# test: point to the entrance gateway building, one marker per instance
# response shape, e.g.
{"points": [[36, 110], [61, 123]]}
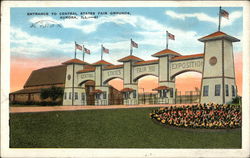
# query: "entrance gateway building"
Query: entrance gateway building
{"points": [[216, 64]]}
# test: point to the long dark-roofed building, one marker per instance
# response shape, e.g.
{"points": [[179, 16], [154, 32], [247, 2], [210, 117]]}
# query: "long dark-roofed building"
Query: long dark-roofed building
{"points": [[38, 79]]}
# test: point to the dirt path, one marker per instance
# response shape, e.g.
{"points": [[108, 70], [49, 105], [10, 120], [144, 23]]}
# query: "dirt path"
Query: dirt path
{"points": [[73, 108]]}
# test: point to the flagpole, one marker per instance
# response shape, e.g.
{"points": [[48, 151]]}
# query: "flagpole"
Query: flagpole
{"points": [[83, 52], [219, 18], [131, 48], [75, 49], [167, 40], [101, 52]]}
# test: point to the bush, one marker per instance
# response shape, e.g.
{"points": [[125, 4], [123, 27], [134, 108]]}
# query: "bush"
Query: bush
{"points": [[237, 100], [53, 93]]}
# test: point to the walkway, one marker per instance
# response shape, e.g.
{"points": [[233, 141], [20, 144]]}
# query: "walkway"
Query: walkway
{"points": [[73, 108]]}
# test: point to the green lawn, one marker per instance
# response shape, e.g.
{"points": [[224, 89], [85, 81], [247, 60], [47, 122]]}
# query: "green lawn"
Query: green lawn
{"points": [[117, 128]]}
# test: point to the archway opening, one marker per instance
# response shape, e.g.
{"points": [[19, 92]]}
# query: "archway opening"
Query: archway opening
{"points": [[188, 87], [146, 84], [117, 83], [115, 96]]}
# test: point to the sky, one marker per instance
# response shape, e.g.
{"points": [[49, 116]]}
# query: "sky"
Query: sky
{"points": [[45, 40]]}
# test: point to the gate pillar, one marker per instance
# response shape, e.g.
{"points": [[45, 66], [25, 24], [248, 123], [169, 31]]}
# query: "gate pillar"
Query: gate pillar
{"points": [[101, 91], [164, 73], [130, 91]]}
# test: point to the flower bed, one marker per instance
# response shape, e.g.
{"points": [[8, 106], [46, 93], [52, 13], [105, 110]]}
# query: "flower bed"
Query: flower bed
{"points": [[200, 116]]}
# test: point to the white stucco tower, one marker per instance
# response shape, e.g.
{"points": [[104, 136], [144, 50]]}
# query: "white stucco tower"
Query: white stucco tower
{"points": [[72, 90], [218, 77]]}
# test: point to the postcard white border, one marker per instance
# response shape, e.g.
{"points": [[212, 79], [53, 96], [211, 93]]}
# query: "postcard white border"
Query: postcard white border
{"points": [[5, 85]]}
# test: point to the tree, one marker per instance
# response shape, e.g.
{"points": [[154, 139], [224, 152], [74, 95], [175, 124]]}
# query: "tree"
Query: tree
{"points": [[52, 92], [44, 93], [56, 92]]}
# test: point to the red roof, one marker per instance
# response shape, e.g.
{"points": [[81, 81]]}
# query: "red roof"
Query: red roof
{"points": [[127, 90], [129, 58], [102, 62], [160, 88], [147, 62], [97, 91], [86, 70], [113, 66], [188, 57], [75, 61], [166, 52], [218, 35]]}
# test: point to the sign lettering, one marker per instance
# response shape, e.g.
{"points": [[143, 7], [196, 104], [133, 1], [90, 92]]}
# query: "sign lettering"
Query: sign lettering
{"points": [[112, 73], [145, 69], [87, 76], [186, 65]]}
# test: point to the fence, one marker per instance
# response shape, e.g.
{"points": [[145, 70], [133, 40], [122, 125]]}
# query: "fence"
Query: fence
{"points": [[148, 98], [187, 97]]}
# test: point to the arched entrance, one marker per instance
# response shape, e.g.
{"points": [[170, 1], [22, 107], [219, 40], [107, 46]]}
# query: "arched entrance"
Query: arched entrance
{"points": [[187, 86], [87, 97], [146, 84], [115, 84]]}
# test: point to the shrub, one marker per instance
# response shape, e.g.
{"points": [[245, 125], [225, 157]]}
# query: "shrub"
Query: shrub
{"points": [[53, 93], [236, 100]]}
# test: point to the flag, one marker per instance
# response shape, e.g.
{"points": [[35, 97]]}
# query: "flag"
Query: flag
{"points": [[171, 36], [77, 46], [133, 44], [105, 50], [224, 13], [86, 50]]}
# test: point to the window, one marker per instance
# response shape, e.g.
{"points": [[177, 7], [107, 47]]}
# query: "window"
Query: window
{"points": [[164, 93], [217, 90], [171, 92], [65, 95], [126, 95], [76, 96], [233, 91], [104, 95], [69, 95], [97, 95], [134, 94], [205, 90], [83, 96], [227, 91]]}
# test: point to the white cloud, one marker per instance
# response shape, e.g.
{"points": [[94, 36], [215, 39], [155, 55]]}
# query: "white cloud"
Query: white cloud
{"points": [[204, 17], [26, 45], [152, 34]]}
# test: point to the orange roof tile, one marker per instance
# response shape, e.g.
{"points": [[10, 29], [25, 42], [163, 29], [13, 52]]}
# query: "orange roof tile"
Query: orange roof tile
{"points": [[218, 35], [187, 57], [166, 52], [160, 88], [86, 70], [147, 62], [102, 62], [113, 66], [75, 61], [129, 58], [127, 90]]}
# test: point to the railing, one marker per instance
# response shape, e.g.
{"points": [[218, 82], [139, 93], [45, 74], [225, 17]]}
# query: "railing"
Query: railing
{"points": [[188, 97]]}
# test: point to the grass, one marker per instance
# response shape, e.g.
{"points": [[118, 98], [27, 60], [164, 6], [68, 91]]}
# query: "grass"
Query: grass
{"points": [[113, 128]]}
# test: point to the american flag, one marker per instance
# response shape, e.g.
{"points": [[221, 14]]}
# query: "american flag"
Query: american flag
{"points": [[224, 13], [171, 36], [77, 46], [133, 44], [86, 50], [105, 50]]}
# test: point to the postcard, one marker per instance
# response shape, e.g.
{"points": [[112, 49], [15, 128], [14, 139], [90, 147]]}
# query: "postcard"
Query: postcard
{"points": [[125, 79]]}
